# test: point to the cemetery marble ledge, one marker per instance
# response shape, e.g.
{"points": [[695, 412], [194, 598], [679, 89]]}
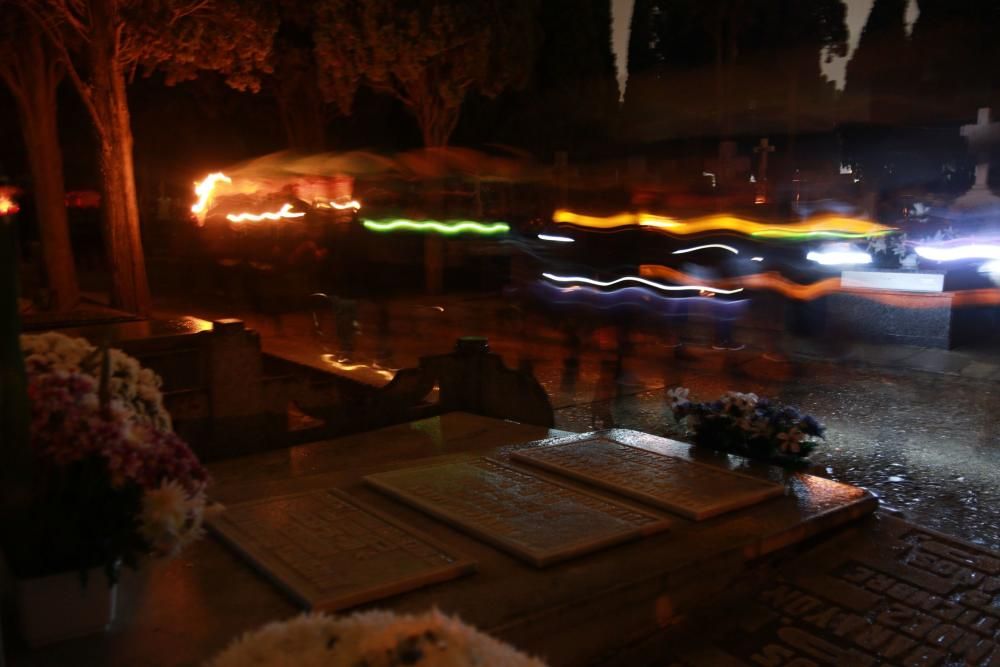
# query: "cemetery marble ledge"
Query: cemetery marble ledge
{"points": [[579, 611]]}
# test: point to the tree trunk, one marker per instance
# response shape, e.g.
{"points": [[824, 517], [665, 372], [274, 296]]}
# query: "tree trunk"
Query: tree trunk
{"points": [[436, 126], [37, 109], [122, 239], [32, 72]]}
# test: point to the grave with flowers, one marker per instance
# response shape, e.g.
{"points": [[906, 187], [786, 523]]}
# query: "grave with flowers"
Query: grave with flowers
{"points": [[747, 425]]}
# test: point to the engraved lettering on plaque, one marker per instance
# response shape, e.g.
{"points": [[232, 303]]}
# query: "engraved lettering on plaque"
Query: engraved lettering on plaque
{"points": [[331, 553], [693, 490], [532, 518]]}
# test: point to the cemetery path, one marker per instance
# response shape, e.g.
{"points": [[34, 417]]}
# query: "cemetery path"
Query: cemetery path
{"points": [[926, 443]]}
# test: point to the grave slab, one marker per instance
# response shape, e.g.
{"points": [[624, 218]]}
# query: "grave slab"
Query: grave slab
{"points": [[885, 593], [580, 612], [330, 553], [535, 519], [883, 316], [688, 488]]}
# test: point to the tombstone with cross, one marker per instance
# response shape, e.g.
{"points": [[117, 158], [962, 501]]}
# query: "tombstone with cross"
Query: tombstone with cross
{"points": [[981, 135], [763, 148]]}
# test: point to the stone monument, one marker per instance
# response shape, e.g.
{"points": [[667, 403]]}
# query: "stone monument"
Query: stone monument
{"points": [[981, 135]]}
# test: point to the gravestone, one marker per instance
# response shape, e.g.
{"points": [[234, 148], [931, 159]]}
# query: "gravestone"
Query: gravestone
{"points": [[331, 553], [883, 306], [693, 490], [981, 135], [537, 520]]}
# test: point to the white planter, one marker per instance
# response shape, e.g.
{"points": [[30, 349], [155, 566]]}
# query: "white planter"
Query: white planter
{"points": [[58, 607]]}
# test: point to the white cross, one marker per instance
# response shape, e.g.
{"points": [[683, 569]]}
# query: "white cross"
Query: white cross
{"points": [[979, 136]]}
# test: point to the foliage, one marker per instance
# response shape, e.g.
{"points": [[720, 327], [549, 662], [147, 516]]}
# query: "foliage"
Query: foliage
{"points": [[112, 481], [427, 53], [431, 639], [179, 37], [746, 425]]}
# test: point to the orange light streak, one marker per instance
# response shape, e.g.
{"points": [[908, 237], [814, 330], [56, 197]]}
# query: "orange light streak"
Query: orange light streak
{"points": [[352, 204], [825, 225], [775, 282], [284, 212], [205, 189]]}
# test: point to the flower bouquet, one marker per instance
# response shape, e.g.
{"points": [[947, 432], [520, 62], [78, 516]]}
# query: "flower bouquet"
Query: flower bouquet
{"points": [[110, 480], [746, 425], [373, 638]]}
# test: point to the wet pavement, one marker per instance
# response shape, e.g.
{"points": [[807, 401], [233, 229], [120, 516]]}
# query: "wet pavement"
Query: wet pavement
{"points": [[925, 443]]}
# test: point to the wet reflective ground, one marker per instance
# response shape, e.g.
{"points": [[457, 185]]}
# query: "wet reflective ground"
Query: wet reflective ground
{"points": [[926, 444]]}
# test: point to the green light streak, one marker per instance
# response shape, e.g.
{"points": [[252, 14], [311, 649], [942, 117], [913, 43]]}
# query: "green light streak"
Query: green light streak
{"points": [[447, 228]]}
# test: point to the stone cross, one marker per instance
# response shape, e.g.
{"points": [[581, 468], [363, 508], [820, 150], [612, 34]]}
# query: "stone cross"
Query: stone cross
{"points": [[980, 136], [764, 148]]}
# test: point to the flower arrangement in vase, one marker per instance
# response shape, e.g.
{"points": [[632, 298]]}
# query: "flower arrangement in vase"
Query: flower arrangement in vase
{"points": [[746, 425], [111, 482]]}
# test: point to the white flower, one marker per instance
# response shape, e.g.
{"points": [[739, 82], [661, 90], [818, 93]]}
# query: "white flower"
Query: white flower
{"points": [[171, 518], [373, 638], [678, 396], [137, 387]]}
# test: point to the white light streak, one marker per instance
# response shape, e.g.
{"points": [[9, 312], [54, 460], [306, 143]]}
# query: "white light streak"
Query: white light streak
{"points": [[839, 257], [705, 247], [992, 266], [953, 253], [643, 281], [557, 239]]}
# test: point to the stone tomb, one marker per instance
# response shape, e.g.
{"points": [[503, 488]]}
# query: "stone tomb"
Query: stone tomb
{"points": [[537, 520], [330, 553], [693, 490], [888, 593]]}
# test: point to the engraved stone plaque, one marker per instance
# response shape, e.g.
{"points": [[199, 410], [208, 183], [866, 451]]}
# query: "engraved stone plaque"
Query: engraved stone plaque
{"points": [[535, 519], [693, 490], [330, 553]]}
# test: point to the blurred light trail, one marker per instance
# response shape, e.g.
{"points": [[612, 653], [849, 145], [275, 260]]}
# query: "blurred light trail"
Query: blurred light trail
{"points": [[7, 205], [350, 368], [643, 281], [756, 259], [284, 212], [613, 221], [957, 252], [352, 204], [771, 280], [204, 189], [993, 266], [778, 283], [557, 239], [706, 247], [839, 257], [629, 297], [448, 227], [822, 226]]}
